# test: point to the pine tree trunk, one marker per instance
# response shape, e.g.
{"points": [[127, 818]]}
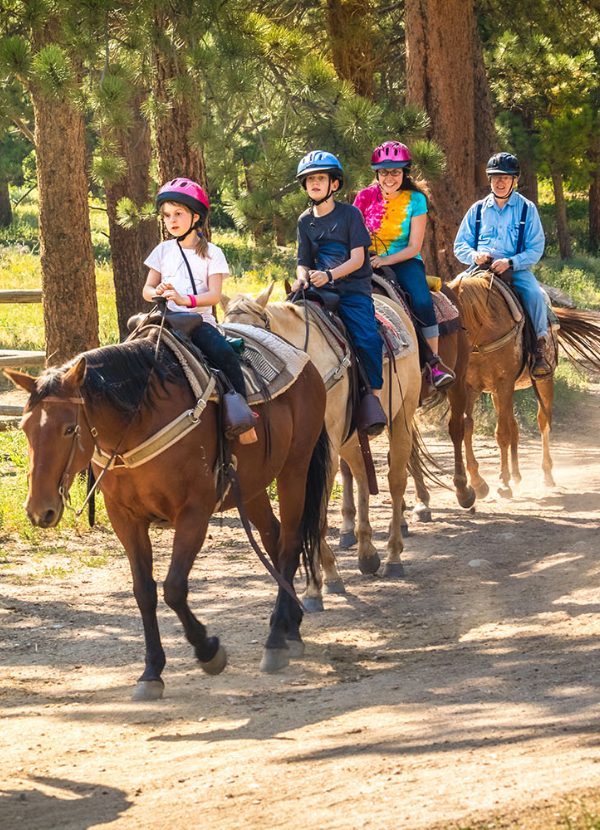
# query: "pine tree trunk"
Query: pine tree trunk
{"points": [[528, 183], [562, 227], [5, 208], [486, 142], [129, 247], [350, 41], [439, 49], [67, 259], [594, 197], [174, 152]]}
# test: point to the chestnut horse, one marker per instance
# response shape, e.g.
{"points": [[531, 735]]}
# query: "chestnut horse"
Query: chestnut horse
{"points": [[289, 320], [497, 365], [115, 398]]}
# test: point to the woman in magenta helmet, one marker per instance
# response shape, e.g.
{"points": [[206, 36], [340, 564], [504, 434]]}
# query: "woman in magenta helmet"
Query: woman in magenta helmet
{"points": [[395, 213], [189, 271]]}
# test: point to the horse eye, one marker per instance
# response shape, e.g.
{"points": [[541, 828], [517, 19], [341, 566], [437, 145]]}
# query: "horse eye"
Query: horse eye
{"points": [[70, 430]]}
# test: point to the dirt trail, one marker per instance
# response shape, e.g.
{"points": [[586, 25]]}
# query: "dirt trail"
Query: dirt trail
{"points": [[468, 689]]}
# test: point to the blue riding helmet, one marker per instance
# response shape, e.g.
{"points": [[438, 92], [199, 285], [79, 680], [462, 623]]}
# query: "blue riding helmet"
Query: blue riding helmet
{"points": [[318, 161], [503, 164]]}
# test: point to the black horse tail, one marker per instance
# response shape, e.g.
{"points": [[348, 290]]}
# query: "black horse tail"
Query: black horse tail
{"points": [[315, 502], [579, 335]]}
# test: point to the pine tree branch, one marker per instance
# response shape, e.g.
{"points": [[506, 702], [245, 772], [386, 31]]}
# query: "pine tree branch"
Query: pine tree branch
{"points": [[24, 129]]}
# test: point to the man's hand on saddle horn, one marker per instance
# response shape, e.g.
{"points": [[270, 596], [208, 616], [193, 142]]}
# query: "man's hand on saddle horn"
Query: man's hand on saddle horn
{"points": [[499, 266]]}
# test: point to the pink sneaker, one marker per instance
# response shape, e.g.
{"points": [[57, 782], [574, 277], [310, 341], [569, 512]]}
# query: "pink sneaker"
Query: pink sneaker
{"points": [[441, 379]]}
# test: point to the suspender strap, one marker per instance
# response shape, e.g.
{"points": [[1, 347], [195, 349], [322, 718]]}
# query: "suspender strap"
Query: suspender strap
{"points": [[521, 238], [477, 223]]}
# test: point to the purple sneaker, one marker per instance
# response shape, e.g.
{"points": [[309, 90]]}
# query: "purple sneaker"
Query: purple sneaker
{"points": [[441, 379]]}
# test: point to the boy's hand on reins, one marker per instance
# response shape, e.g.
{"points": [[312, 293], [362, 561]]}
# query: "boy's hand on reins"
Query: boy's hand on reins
{"points": [[318, 278]]}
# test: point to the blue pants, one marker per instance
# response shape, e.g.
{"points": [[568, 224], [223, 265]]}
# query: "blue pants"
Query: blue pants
{"points": [[358, 315], [411, 278], [529, 288]]}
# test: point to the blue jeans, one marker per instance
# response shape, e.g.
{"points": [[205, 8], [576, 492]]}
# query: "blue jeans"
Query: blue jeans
{"points": [[411, 278], [529, 289], [358, 315]]}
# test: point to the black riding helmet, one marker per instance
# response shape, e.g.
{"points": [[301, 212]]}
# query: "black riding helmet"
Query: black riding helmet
{"points": [[503, 164]]}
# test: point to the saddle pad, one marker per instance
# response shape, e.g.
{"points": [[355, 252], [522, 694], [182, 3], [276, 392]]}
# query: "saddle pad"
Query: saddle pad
{"points": [[516, 306], [277, 362], [446, 313], [398, 335]]}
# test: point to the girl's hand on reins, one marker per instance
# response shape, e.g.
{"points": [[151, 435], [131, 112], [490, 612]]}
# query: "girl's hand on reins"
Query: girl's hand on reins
{"points": [[377, 261]]}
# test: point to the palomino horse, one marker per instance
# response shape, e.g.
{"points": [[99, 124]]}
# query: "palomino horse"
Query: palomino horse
{"points": [[289, 320], [114, 399], [454, 352], [497, 365]]}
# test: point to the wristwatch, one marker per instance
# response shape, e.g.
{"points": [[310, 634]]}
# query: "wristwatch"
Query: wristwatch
{"points": [[511, 264], [329, 276]]}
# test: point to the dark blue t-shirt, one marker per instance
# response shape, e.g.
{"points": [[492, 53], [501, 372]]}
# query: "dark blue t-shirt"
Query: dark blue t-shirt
{"points": [[326, 241]]}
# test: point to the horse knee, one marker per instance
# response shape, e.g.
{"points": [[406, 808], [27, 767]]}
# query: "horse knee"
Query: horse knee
{"points": [[175, 591]]}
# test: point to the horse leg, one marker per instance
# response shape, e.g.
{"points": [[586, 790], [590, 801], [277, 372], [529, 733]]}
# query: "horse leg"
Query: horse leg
{"points": [[457, 398], [368, 558], [421, 511], [330, 581], [545, 388], [477, 482], [190, 530], [401, 445], [502, 397], [284, 640], [134, 538], [347, 532]]}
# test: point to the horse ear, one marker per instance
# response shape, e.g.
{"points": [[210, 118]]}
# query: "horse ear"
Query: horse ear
{"points": [[74, 377], [21, 379], [288, 287], [263, 298], [224, 302]]}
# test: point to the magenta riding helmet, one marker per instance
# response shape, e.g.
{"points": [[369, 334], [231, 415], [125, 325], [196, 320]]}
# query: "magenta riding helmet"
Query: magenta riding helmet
{"points": [[390, 154], [186, 192]]}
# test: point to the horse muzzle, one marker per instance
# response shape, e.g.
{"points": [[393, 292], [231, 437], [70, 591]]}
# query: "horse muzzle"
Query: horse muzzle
{"points": [[46, 514]]}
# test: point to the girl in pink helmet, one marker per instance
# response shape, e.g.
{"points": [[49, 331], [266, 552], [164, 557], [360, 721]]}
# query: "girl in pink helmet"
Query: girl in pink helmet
{"points": [[395, 213], [189, 271]]}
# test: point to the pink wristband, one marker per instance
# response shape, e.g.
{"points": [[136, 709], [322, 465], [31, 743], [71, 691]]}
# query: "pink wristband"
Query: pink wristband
{"points": [[192, 301]]}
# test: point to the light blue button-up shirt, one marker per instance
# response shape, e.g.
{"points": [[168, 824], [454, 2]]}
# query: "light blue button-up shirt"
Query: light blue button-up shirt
{"points": [[499, 232]]}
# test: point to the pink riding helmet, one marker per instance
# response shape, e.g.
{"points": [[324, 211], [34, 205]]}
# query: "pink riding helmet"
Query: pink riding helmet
{"points": [[187, 192], [390, 154]]}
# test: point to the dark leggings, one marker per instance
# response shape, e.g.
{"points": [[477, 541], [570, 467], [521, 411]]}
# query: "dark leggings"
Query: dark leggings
{"points": [[211, 342]]}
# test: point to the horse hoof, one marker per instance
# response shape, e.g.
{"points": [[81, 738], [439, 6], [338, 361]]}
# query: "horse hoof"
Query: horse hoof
{"points": [[217, 664], [335, 587], [347, 540], [404, 531], [275, 659], [369, 565], [422, 514], [505, 492], [468, 500], [482, 490], [313, 604], [148, 690], [296, 648], [393, 570]]}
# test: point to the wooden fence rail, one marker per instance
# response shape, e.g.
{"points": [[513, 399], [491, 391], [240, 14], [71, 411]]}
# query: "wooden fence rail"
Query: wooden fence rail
{"points": [[13, 359]]}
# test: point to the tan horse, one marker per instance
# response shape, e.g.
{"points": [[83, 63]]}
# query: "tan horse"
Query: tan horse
{"points": [[289, 321], [496, 365]]}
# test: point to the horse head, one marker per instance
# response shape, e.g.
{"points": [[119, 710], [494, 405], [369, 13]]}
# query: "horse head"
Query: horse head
{"points": [[244, 308], [58, 446]]}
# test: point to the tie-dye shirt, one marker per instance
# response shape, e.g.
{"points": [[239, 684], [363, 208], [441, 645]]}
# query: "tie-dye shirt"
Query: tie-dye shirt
{"points": [[388, 220]]}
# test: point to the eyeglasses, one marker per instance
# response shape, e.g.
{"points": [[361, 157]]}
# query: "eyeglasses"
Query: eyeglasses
{"points": [[396, 172]]}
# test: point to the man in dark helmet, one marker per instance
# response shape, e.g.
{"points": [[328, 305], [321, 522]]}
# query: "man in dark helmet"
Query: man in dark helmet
{"points": [[504, 229]]}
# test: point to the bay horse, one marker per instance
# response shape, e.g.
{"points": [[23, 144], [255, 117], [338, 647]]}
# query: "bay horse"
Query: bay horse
{"points": [[112, 399], [498, 365], [289, 320]]}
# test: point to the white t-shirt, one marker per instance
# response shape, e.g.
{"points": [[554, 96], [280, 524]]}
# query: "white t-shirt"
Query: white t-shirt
{"points": [[167, 260]]}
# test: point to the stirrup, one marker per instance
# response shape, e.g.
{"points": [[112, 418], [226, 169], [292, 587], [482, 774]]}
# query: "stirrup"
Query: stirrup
{"points": [[541, 368], [370, 417]]}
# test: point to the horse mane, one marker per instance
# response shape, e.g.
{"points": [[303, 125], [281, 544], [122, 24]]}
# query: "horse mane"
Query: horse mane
{"points": [[276, 310], [117, 376], [481, 303]]}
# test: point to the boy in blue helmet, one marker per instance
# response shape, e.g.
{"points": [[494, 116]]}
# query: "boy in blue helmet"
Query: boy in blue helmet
{"points": [[504, 231], [333, 245]]}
